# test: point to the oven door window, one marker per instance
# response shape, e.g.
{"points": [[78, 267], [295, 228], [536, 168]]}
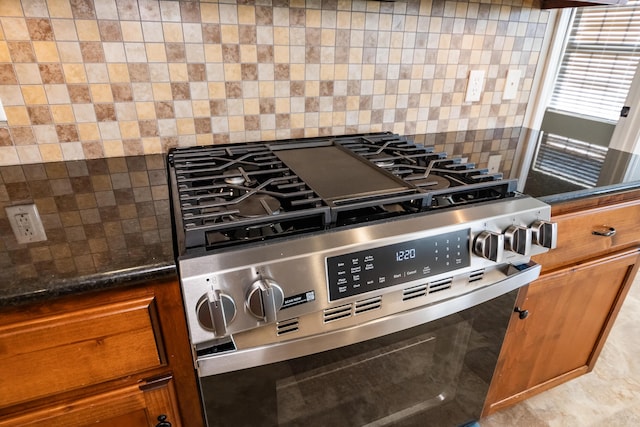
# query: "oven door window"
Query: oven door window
{"points": [[433, 374]]}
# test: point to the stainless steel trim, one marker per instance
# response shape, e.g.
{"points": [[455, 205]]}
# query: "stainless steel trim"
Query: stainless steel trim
{"points": [[262, 355]]}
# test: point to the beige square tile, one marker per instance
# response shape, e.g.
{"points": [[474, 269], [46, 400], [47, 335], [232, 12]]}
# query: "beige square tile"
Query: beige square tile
{"points": [[266, 89], [178, 72], [251, 106], [69, 52], [131, 31], [59, 9], [236, 123], [283, 105], [228, 13], [15, 28], [209, 13], [204, 139], [281, 36], [34, 95], [118, 73], [185, 126], [57, 93], [88, 131], [162, 91], [297, 71], [248, 53], [297, 120], [74, 73], [129, 129], [62, 114], [4, 52], [87, 30], [64, 30], [17, 116], [229, 34], [313, 18], [232, 72], [152, 145], [29, 154], [145, 110], [10, 8], [172, 32], [343, 20], [28, 74], [281, 54], [156, 52], [51, 152], [101, 92], [46, 51], [217, 90], [213, 53], [246, 15], [113, 148], [201, 108]]}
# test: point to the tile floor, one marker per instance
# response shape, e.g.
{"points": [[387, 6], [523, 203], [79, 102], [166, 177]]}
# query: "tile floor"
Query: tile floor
{"points": [[609, 396]]}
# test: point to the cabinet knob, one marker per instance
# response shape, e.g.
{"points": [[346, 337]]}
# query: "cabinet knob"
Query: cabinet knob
{"points": [[163, 421], [522, 314]]}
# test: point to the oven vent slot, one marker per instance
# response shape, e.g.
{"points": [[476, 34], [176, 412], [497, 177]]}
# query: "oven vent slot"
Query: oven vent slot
{"points": [[440, 285], [287, 326], [335, 313], [368, 305], [476, 275], [414, 292]]}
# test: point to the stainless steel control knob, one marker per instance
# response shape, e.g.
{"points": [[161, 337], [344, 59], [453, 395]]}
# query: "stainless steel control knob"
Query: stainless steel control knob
{"points": [[215, 311], [264, 299], [518, 239], [545, 233], [489, 245]]}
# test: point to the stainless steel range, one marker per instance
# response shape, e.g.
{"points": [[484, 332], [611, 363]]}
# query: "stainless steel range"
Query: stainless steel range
{"points": [[357, 280]]}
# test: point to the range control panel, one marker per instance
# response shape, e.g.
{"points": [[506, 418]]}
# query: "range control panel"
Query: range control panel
{"points": [[359, 272]]}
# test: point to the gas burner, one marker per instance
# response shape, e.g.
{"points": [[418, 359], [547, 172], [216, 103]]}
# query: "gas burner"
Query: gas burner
{"points": [[256, 232], [258, 205]]}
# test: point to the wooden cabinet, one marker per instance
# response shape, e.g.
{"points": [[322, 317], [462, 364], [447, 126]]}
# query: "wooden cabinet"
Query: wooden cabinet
{"points": [[573, 304], [117, 357]]}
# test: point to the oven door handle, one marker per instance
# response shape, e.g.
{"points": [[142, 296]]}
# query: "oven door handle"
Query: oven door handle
{"points": [[516, 277]]}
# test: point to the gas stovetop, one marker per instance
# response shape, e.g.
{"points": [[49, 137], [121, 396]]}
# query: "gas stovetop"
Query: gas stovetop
{"points": [[236, 193]]}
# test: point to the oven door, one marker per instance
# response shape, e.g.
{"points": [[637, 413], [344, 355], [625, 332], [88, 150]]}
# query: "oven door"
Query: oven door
{"points": [[434, 374]]}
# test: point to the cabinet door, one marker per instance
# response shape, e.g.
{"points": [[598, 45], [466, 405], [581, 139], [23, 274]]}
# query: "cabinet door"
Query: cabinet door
{"points": [[136, 405], [570, 314]]}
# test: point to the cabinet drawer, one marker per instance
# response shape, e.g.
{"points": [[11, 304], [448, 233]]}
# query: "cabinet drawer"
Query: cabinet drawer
{"points": [[576, 238], [55, 352], [126, 406]]}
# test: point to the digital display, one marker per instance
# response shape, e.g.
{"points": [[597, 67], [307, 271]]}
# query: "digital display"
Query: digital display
{"points": [[359, 272]]}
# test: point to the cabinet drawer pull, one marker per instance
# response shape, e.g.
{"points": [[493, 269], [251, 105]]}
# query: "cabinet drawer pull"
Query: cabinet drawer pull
{"points": [[604, 231], [163, 421], [522, 314]]}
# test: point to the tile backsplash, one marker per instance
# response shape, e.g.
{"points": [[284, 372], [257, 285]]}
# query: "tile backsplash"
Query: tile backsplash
{"points": [[87, 79]]}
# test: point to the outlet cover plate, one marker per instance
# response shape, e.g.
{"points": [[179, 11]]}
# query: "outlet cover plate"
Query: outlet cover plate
{"points": [[26, 223], [474, 86]]}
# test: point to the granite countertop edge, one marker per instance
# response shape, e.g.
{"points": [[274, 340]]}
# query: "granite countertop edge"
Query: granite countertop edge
{"points": [[59, 287]]}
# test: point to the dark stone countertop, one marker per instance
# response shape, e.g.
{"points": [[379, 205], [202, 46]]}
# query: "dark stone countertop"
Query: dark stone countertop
{"points": [[107, 222]]}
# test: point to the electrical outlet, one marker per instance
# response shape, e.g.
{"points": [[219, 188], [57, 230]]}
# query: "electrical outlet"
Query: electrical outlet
{"points": [[494, 163], [474, 86], [26, 224]]}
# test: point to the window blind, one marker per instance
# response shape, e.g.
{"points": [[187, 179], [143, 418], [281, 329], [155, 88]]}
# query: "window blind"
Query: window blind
{"points": [[600, 60], [568, 159]]}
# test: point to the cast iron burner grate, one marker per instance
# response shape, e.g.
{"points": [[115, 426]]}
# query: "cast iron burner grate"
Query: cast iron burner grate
{"points": [[240, 192], [235, 193]]}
